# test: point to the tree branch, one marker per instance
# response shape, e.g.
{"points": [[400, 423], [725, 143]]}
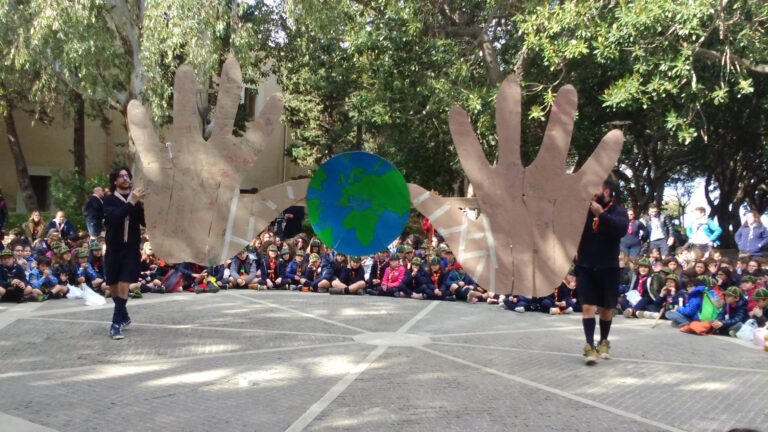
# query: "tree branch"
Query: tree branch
{"points": [[733, 59]]}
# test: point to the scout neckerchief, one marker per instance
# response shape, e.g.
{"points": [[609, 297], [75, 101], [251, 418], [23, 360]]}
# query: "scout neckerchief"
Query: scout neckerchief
{"points": [[271, 269], [435, 277], [391, 274], [596, 219], [127, 218], [241, 268], [378, 269], [641, 283]]}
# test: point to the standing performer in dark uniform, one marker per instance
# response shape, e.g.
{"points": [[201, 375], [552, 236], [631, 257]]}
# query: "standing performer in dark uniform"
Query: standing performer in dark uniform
{"points": [[123, 214], [597, 267]]}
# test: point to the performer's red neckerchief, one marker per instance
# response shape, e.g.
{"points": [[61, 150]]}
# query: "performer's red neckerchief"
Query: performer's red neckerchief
{"points": [[596, 219]]}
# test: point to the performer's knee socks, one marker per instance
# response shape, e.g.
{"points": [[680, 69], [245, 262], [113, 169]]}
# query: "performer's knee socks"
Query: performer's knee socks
{"points": [[605, 328], [589, 330], [117, 314]]}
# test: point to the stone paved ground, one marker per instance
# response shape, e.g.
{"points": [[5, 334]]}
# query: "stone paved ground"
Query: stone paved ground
{"points": [[282, 361]]}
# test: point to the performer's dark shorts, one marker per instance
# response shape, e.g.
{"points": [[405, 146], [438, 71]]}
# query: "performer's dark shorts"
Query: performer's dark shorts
{"points": [[598, 287], [122, 265]]}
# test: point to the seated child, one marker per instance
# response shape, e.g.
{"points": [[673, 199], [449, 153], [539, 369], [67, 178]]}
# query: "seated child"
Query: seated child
{"points": [[351, 280], [563, 298], [733, 313], [415, 281]]}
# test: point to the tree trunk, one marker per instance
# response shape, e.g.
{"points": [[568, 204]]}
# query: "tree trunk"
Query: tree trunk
{"points": [[78, 143], [22, 173]]}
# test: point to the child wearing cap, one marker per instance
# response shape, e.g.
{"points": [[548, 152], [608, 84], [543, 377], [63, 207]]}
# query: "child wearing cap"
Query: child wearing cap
{"points": [[415, 282], [437, 288], [351, 280], [85, 273], [748, 287], [13, 282], [285, 260], [702, 304], [270, 270], [96, 260], [46, 281], [400, 253], [314, 278], [311, 272], [338, 264], [393, 276], [448, 259], [759, 311], [461, 285], [379, 266], [242, 271], [64, 270], [295, 270], [733, 314], [664, 299], [563, 299], [638, 297]]}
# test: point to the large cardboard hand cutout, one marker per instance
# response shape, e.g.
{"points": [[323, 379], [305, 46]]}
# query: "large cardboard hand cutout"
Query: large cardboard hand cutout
{"points": [[531, 218], [192, 184]]}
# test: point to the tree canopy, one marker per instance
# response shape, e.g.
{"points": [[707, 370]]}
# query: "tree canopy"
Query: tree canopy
{"points": [[685, 81]]}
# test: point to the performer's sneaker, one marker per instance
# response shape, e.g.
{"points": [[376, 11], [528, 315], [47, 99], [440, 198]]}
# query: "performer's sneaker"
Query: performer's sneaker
{"points": [[520, 309], [604, 350], [590, 355], [640, 314], [115, 332], [125, 324]]}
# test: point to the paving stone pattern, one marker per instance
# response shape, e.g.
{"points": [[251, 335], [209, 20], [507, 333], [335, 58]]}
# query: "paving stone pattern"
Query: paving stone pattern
{"points": [[284, 361]]}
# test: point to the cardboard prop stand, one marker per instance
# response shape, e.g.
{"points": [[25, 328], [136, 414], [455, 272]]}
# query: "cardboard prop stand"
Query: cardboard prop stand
{"points": [[523, 241]]}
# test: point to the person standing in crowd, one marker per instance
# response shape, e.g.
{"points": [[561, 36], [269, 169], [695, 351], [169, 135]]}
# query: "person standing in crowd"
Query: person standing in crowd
{"points": [[703, 233], [94, 212], [124, 216], [34, 227], [659, 230], [294, 217], [597, 267], [61, 225], [636, 234], [752, 237]]}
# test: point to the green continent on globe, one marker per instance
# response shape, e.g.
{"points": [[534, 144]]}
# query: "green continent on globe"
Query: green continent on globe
{"points": [[314, 207], [325, 235], [364, 223], [318, 178], [364, 190]]}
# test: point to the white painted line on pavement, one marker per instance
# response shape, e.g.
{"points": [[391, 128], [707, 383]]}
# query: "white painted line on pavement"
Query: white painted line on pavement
{"points": [[558, 392], [407, 326], [16, 424], [621, 359], [537, 329], [17, 312], [132, 304], [191, 326], [308, 315], [319, 406], [194, 358]]}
